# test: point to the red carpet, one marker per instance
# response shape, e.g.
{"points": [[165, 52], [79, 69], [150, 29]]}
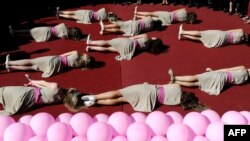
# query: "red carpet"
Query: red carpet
{"points": [[184, 57]]}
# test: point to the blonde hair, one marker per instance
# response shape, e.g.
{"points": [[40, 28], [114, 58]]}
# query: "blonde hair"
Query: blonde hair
{"points": [[87, 61], [72, 100]]}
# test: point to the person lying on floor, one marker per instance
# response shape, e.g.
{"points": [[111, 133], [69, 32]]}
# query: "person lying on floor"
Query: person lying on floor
{"points": [[84, 16], [142, 97], [46, 33], [51, 65], [132, 27], [215, 38], [167, 18], [37, 93], [127, 47], [213, 81]]}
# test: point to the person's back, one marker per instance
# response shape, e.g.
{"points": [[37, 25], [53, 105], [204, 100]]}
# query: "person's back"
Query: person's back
{"points": [[148, 24], [16, 99], [50, 95], [236, 36], [126, 49], [41, 34], [172, 94], [239, 76], [61, 31], [74, 60], [179, 15]]}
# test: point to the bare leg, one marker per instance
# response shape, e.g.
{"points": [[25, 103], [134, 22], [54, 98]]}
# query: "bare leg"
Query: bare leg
{"points": [[113, 25], [68, 12], [24, 62], [187, 84], [140, 17], [67, 16], [99, 43], [145, 14], [114, 30], [192, 33], [192, 37], [187, 78], [101, 48], [108, 95], [111, 101], [22, 67]]}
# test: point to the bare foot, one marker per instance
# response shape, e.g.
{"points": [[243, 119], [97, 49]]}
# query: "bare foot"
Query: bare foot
{"points": [[57, 12], [7, 62], [172, 77], [88, 39], [28, 77], [180, 32], [102, 27], [87, 48]]}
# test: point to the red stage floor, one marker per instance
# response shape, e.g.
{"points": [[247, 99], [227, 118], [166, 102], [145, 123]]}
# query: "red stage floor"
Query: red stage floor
{"points": [[184, 57]]}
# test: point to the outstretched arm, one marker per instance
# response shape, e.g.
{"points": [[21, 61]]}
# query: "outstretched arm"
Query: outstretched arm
{"points": [[40, 83], [69, 53], [227, 69]]}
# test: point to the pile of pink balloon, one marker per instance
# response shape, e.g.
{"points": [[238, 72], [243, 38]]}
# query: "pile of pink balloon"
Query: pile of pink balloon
{"points": [[119, 126]]}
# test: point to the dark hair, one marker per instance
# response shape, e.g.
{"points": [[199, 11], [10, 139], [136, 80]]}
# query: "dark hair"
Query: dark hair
{"points": [[73, 100], [190, 101], [191, 17], [247, 39], [75, 33], [157, 25], [155, 46], [87, 61]]}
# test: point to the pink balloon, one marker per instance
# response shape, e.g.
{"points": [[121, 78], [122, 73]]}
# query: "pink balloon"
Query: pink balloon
{"points": [[99, 131], [79, 138], [38, 138], [120, 138], [215, 131], [246, 114], [177, 117], [233, 117], [159, 138], [197, 122], [138, 117], [80, 123], [138, 131], [64, 117], [41, 122], [17, 132], [180, 132], [25, 119], [158, 122], [5, 121], [200, 138], [211, 115], [59, 131], [120, 122], [101, 118]]}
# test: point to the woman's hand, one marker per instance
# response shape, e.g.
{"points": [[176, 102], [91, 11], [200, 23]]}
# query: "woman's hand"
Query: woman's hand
{"points": [[29, 84]]}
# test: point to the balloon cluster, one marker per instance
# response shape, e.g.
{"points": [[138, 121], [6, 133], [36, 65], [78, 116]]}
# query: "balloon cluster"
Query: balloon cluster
{"points": [[119, 126]]}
